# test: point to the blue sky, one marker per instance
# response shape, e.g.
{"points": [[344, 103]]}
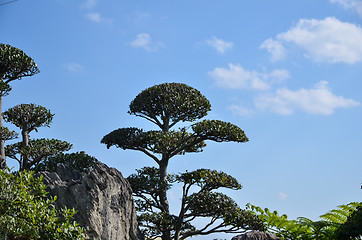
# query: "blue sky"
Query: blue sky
{"points": [[287, 72]]}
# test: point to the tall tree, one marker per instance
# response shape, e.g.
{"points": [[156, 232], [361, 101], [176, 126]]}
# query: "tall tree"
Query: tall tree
{"points": [[29, 117], [166, 105], [14, 64]]}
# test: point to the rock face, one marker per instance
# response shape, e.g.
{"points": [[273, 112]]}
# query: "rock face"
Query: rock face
{"points": [[254, 235], [102, 197]]}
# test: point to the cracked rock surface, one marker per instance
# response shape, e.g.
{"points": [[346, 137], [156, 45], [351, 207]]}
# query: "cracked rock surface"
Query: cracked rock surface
{"points": [[102, 197]]}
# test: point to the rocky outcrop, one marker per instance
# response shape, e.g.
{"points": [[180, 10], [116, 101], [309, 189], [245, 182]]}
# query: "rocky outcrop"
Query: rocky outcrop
{"points": [[254, 235], [102, 197]]}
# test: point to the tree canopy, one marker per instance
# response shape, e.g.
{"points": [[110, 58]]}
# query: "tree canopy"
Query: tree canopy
{"points": [[14, 64], [165, 105]]}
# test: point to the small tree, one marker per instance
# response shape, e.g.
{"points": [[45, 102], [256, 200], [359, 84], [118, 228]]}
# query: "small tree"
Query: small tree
{"points": [[14, 64], [26, 211], [29, 117], [166, 105], [36, 152]]}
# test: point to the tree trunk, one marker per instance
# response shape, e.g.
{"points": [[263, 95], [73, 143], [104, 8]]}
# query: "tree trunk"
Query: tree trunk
{"points": [[166, 233], [25, 157], [2, 141]]}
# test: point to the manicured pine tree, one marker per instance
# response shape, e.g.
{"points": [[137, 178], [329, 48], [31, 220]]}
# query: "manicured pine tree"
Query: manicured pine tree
{"points": [[14, 65]]}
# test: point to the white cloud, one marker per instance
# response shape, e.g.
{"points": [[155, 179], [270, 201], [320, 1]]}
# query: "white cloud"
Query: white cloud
{"points": [[96, 17], [219, 45], [355, 5], [282, 196], [143, 40], [236, 77], [317, 100], [73, 67], [275, 48], [328, 40]]}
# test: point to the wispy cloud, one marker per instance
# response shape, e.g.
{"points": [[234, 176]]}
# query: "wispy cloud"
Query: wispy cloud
{"points": [[236, 77], [328, 40], [73, 67], [143, 40], [240, 110], [275, 48], [98, 18], [219, 45], [89, 4], [355, 5], [317, 100]]}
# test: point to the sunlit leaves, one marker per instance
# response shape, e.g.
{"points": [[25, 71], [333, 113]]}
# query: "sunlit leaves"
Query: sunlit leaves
{"points": [[15, 64], [219, 131], [29, 116], [26, 212], [303, 228], [170, 102]]}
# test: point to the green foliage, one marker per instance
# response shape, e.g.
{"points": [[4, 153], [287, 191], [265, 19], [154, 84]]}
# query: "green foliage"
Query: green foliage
{"points": [[79, 161], [224, 214], [154, 141], [165, 105], [352, 227], [304, 229], [37, 151], [15, 64], [26, 212], [170, 102], [29, 116], [208, 180], [219, 131], [7, 134]]}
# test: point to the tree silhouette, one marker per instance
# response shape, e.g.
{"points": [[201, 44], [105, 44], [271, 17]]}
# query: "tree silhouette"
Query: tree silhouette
{"points": [[166, 105]]}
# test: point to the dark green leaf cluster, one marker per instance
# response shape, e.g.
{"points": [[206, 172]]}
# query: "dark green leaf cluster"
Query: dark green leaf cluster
{"points": [[147, 182], [7, 134], [219, 206], [208, 179], [5, 88], [15, 64], [26, 212], [151, 223], [79, 161], [219, 131], [29, 116], [153, 141], [37, 151], [125, 138], [146, 185], [352, 228], [167, 102]]}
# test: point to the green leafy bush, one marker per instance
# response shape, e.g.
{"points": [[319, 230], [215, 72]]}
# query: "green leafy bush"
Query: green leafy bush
{"points": [[26, 212], [79, 161]]}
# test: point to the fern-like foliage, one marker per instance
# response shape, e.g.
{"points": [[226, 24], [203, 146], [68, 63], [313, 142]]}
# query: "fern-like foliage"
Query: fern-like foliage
{"points": [[341, 213], [304, 228]]}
